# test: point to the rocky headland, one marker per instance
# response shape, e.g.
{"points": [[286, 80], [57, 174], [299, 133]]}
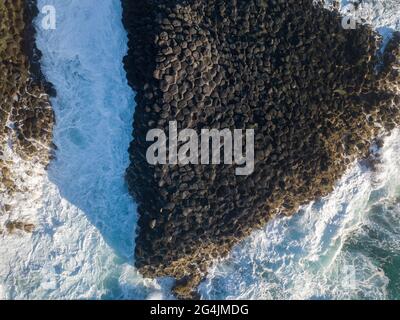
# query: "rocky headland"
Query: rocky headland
{"points": [[316, 94], [26, 116]]}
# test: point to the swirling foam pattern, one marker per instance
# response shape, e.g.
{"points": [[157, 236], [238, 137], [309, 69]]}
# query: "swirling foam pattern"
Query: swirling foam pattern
{"points": [[345, 246]]}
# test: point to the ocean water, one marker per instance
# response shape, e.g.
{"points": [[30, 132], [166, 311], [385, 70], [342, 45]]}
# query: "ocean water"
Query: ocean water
{"points": [[345, 246], [84, 241]]}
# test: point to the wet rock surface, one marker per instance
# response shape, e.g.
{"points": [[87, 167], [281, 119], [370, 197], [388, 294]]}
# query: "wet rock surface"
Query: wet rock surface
{"points": [[315, 93], [26, 116]]}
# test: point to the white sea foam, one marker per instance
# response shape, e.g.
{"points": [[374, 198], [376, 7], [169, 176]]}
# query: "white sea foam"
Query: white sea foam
{"points": [[83, 244]]}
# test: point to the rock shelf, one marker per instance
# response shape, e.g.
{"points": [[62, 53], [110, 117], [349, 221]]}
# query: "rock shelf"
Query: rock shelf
{"points": [[316, 94], [26, 116]]}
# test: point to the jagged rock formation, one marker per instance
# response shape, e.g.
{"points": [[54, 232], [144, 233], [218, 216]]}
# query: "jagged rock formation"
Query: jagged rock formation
{"points": [[26, 117], [315, 93]]}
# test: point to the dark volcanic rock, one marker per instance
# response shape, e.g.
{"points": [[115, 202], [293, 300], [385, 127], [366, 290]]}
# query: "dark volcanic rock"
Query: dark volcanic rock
{"points": [[314, 92], [26, 117]]}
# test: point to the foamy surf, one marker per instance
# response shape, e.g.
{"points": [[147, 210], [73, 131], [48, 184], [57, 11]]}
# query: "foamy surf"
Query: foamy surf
{"points": [[82, 247]]}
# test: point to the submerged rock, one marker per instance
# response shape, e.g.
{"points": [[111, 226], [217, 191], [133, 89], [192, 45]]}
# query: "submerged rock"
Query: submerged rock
{"points": [[316, 95], [26, 116]]}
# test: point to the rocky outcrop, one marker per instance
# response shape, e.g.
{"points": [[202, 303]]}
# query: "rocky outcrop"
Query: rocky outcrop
{"points": [[316, 95], [26, 117]]}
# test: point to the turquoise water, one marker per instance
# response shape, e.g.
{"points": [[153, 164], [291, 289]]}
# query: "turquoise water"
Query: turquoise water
{"points": [[378, 239]]}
